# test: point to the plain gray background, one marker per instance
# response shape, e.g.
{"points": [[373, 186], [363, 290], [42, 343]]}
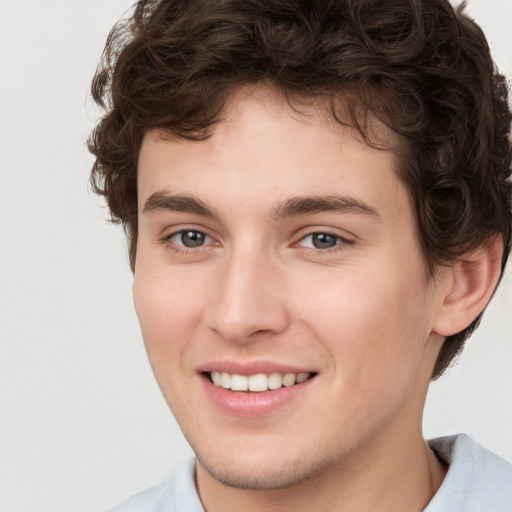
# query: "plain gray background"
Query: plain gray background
{"points": [[82, 422]]}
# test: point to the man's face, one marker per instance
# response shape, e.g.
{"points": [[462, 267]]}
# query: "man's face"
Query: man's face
{"points": [[282, 246]]}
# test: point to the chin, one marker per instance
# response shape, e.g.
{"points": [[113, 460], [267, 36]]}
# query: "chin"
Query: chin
{"points": [[247, 474]]}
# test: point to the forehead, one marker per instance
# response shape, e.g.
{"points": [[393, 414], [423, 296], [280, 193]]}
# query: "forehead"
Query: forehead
{"points": [[265, 151]]}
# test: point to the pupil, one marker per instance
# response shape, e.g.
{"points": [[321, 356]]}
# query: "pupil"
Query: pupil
{"points": [[192, 238], [323, 241]]}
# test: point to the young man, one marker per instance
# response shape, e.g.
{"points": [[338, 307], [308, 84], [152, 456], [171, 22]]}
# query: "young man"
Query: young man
{"points": [[317, 201]]}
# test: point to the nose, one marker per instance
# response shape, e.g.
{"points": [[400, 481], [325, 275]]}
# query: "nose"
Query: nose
{"points": [[249, 300]]}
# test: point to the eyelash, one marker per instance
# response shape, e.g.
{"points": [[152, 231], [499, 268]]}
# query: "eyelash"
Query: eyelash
{"points": [[340, 244], [178, 248]]}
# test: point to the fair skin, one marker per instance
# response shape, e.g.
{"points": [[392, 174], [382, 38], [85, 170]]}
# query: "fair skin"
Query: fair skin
{"points": [[282, 245]]}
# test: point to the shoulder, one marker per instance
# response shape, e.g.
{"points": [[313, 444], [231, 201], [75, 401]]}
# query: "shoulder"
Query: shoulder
{"points": [[477, 479], [177, 494]]}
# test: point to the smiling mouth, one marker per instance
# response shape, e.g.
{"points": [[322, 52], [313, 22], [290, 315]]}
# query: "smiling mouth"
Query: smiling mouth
{"points": [[257, 383]]}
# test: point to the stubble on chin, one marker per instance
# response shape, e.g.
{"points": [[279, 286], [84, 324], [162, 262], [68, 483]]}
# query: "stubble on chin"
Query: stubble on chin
{"points": [[281, 474]]}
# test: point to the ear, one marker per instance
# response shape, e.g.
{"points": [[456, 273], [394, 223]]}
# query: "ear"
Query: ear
{"points": [[469, 287]]}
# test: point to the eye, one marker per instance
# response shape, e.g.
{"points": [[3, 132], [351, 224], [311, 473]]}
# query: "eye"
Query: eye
{"points": [[320, 241], [189, 238]]}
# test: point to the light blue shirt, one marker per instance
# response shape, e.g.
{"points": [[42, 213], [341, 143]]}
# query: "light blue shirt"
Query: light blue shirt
{"points": [[178, 494], [477, 481]]}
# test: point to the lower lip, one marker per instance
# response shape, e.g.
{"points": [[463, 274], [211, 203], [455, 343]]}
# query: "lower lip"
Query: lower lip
{"points": [[253, 404]]}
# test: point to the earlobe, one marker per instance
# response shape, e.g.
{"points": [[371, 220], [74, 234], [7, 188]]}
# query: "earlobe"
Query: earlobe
{"points": [[471, 283]]}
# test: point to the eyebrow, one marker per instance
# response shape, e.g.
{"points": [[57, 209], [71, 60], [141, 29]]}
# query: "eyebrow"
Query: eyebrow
{"points": [[177, 203], [302, 205], [318, 204]]}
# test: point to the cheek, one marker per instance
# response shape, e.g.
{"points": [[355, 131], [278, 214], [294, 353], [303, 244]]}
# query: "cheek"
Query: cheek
{"points": [[373, 327], [168, 312]]}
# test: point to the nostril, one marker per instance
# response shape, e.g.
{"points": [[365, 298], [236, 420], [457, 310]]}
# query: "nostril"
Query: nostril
{"points": [[260, 331]]}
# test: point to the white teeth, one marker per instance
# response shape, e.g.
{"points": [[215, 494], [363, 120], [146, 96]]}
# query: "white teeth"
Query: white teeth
{"points": [[225, 380], [257, 383], [301, 377], [239, 383], [289, 379], [275, 381], [217, 378]]}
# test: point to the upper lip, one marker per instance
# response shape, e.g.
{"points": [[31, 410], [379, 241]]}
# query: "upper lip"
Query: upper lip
{"points": [[251, 367]]}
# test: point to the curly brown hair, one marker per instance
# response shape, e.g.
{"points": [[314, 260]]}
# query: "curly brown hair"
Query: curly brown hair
{"points": [[422, 68]]}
